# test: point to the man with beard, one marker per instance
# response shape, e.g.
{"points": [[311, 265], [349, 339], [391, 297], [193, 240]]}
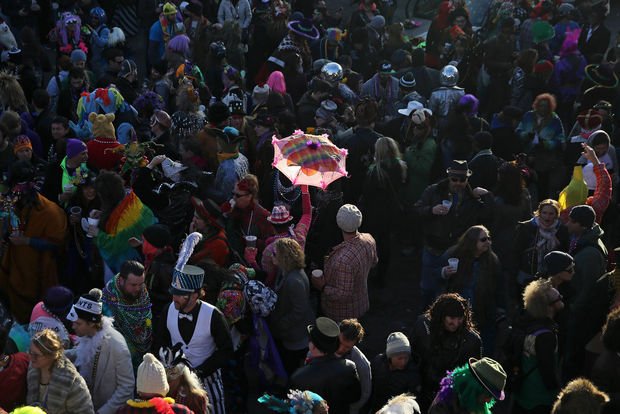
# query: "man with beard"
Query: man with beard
{"points": [[199, 327], [444, 337], [384, 88], [101, 356], [126, 299]]}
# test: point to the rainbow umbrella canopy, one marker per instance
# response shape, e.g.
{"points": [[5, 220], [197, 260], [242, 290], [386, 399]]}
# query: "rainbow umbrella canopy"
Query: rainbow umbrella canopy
{"points": [[309, 159]]}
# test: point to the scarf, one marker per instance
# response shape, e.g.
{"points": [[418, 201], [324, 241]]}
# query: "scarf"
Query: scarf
{"points": [[134, 320], [546, 239], [88, 347]]}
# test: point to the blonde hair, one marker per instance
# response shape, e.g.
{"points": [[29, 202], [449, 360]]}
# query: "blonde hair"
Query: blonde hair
{"points": [[401, 404], [386, 152], [536, 298], [290, 255], [580, 396], [548, 202], [48, 342]]}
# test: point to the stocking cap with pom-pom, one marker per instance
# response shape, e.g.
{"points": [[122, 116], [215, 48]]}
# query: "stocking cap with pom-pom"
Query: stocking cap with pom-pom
{"points": [[151, 377], [186, 278], [88, 307]]}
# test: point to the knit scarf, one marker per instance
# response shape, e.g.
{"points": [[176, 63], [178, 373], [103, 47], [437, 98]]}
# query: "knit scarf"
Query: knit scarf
{"points": [[161, 405], [133, 320], [87, 348], [385, 92], [546, 239]]}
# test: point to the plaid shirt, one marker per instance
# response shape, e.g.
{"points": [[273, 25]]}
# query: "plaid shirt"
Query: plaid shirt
{"points": [[346, 273]]}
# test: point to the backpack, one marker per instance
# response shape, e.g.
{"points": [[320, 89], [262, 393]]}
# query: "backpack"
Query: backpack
{"points": [[513, 350], [257, 296]]}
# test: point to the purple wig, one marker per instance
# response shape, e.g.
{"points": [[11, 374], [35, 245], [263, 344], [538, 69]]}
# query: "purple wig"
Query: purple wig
{"points": [[179, 44], [469, 104], [61, 27]]}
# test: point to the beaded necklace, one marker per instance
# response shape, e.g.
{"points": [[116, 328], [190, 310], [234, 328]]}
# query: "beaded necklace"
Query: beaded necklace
{"points": [[280, 191]]}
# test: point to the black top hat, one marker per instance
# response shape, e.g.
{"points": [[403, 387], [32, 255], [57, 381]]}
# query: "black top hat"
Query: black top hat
{"points": [[459, 167], [324, 335]]}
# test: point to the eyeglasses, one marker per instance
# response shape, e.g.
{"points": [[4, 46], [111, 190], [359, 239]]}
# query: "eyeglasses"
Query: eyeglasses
{"points": [[485, 239], [458, 179], [239, 195], [556, 300], [570, 269]]}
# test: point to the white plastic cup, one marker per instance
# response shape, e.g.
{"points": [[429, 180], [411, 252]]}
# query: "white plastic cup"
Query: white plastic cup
{"points": [[68, 188], [453, 263], [317, 273], [250, 241], [447, 204], [76, 211], [92, 225]]}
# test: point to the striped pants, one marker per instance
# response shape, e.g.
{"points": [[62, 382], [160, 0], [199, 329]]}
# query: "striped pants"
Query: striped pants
{"points": [[215, 389]]}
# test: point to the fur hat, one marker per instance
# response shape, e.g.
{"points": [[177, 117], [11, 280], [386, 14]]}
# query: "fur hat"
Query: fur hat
{"points": [[102, 125], [75, 147], [349, 218], [397, 343], [151, 377]]}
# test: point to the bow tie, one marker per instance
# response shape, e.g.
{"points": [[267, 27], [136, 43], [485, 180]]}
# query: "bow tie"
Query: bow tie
{"points": [[187, 316]]}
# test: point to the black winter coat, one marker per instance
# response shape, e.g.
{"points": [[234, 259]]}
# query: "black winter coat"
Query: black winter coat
{"points": [[441, 232], [449, 351], [335, 379], [387, 384]]}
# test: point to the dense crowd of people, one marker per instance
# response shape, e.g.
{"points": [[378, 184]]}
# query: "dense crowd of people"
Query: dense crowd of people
{"points": [[157, 257]]}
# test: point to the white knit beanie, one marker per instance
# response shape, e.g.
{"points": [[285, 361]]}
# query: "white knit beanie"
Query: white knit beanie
{"points": [[349, 218], [152, 377], [397, 343]]}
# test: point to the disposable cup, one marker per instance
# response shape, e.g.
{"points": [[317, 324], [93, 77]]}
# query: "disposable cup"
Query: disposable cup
{"points": [[92, 225], [250, 241], [446, 203], [453, 263], [317, 273], [76, 211]]}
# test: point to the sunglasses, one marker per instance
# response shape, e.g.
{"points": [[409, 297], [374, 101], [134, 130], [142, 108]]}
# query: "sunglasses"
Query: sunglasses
{"points": [[458, 179], [570, 269], [556, 300], [485, 239]]}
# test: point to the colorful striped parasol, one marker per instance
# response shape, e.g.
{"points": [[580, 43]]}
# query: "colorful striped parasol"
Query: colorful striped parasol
{"points": [[309, 159]]}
